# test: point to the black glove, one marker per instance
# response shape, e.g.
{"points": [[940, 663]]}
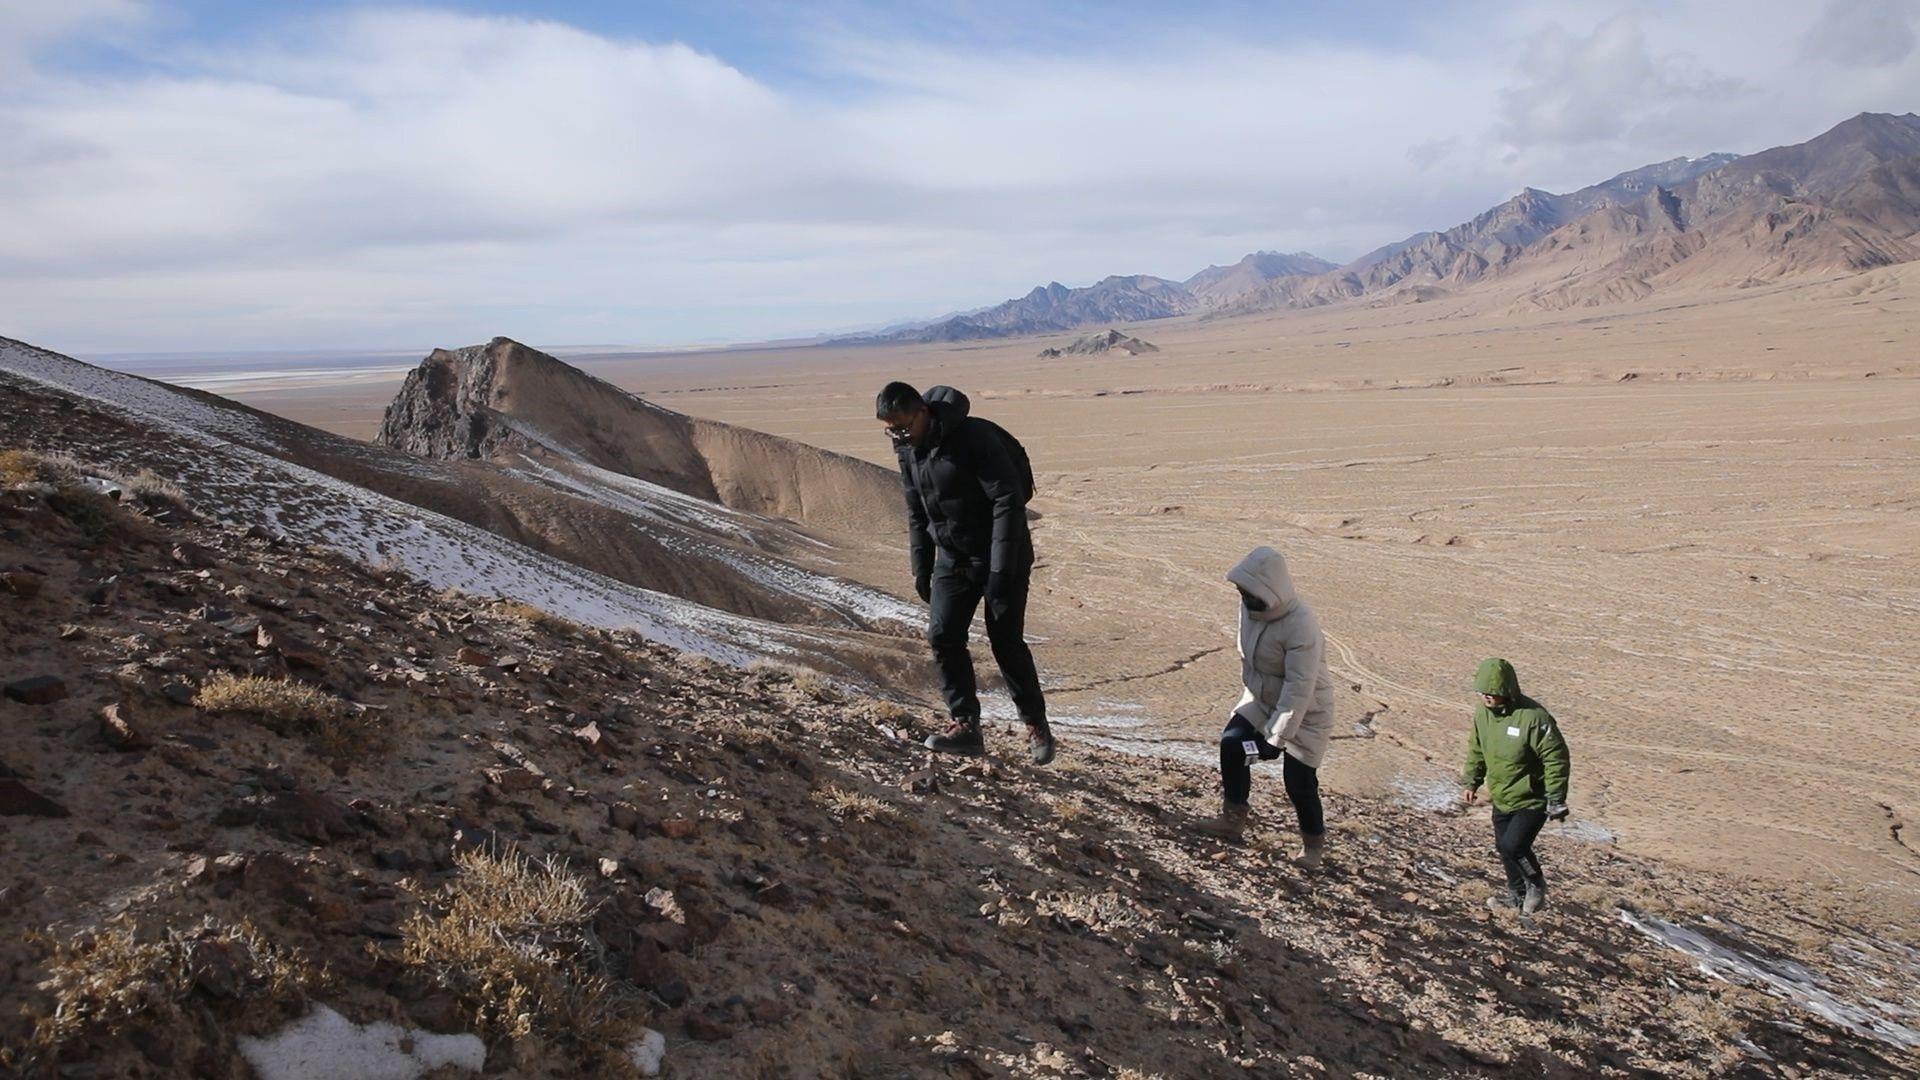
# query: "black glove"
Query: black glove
{"points": [[1557, 811], [999, 587], [923, 585]]}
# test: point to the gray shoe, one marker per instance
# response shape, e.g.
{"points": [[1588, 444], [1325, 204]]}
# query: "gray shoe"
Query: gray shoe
{"points": [[1503, 902], [1535, 899], [1040, 742]]}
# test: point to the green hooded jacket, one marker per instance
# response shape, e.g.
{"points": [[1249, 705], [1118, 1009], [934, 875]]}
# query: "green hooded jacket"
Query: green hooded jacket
{"points": [[1516, 749]]}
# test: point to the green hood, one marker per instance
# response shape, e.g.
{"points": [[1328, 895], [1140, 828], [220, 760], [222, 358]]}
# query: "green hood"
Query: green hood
{"points": [[1496, 676]]}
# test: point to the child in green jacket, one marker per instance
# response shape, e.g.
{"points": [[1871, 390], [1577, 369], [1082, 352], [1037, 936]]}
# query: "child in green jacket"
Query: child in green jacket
{"points": [[1516, 748]]}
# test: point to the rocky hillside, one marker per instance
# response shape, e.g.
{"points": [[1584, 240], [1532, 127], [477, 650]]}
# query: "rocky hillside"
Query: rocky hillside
{"points": [[271, 811], [610, 548]]}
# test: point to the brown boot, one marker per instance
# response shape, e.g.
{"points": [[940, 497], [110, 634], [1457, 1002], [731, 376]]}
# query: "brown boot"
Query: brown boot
{"points": [[1230, 825], [961, 737], [1313, 849]]}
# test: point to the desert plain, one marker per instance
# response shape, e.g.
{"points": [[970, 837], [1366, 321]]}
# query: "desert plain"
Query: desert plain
{"points": [[1690, 522]]}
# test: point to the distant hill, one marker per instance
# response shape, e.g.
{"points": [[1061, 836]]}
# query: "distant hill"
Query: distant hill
{"points": [[1137, 298], [1113, 341]]}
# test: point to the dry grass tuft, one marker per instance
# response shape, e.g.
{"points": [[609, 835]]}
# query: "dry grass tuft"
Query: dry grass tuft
{"points": [[101, 980], [853, 805], [540, 618], [334, 729], [510, 936], [890, 713], [33, 467], [1105, 912], [1709, 1015]]}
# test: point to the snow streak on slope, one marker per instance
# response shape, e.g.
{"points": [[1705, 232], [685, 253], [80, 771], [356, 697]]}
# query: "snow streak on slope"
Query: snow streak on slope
{"points": [[1782, 978]]}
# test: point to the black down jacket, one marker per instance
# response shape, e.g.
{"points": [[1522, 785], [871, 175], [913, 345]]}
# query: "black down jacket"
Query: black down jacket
{"points": [[966, 493]]}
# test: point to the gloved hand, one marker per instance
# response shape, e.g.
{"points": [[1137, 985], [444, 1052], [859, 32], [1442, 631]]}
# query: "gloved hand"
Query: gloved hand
{"points": [[999, 587], [923, 585], [1557, 811]]}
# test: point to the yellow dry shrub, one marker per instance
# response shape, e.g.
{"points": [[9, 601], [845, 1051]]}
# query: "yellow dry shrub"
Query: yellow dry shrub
{"points": [[852, 805], [510, 937], [102, 979], [308, 710]]}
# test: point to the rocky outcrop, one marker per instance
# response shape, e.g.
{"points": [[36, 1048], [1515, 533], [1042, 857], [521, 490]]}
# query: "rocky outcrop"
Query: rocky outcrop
{"points": [[1112, 341], [504, 401]]}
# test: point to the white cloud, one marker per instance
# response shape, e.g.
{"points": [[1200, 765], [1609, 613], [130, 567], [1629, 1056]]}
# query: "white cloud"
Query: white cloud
{"points": [[1870, 32], [416, 176]]}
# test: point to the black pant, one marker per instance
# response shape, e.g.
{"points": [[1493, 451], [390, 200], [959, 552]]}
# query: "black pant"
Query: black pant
{"points": [[1302, 780], [957, 590], [1513, 834]]}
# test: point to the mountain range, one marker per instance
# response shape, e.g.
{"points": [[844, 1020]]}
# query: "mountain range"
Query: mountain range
{"points": [[1121, 298], [1845, 201]]}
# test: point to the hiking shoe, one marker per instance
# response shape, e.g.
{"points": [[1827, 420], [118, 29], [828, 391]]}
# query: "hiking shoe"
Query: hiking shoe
{"points": [[1503, 902], [1314, 849], [1230, 825], [1535, 899], [961, 737], [1039, 741]]}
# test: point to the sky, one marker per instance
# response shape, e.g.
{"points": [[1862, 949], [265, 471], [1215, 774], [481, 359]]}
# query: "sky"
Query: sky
{"points": [[224, 175]]}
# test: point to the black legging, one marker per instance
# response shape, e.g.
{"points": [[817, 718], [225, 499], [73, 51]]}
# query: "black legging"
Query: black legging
{"points": [[1513, 834], [1236, 775]]}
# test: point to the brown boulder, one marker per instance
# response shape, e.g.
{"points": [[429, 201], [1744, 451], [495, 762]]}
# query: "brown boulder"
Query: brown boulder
{"points": [[19, 800], [37, 690], [25, 584], [117, 731], [470, 655]]}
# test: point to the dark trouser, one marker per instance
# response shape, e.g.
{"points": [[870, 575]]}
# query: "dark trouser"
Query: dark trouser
{"points": [[1302, 780], [1513, 833], [957, 591]]}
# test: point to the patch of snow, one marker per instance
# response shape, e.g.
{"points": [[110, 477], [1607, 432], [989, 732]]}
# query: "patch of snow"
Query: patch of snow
{"points": [[648, 1052], [327, 1046], [1584, 831], [1426, 793], [150, 401], [1778, 976]]}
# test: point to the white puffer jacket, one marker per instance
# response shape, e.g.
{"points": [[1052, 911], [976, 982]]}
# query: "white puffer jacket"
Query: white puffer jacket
{"points": [[1283, 661]]}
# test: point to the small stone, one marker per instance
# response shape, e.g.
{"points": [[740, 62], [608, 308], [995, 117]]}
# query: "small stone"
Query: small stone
{"points": [[477, 657], [25, 584], [769, 1011], [513, 779], [609, 868], [37, 690], [193, 556], [70, 632], [779, 894], [19, 800], [702, 1027], [676, 828], [118, 732], [624, 816], [594, 739], [178, 692]]}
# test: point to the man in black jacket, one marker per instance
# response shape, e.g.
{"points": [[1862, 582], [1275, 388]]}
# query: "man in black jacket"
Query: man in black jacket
{"points": [[967, 490]]}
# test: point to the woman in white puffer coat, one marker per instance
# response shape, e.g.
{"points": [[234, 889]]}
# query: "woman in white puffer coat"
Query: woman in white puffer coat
{"points": [[1286, 703]]}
